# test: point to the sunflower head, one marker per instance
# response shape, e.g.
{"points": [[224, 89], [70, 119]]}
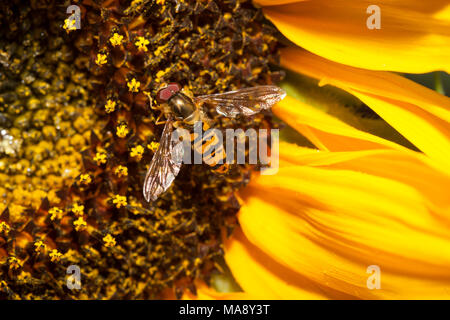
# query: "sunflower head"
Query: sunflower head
{"points": [[81, 134]]}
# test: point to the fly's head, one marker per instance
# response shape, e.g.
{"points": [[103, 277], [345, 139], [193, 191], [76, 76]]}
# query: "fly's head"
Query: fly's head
{"points": [[176, 102]]}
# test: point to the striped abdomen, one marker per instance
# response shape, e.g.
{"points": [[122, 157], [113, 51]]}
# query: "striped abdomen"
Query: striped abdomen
{"points": [[210, 146]]}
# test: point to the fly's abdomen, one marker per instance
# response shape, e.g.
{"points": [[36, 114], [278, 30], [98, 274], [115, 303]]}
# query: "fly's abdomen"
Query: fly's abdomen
{"points": [[211, 147]]}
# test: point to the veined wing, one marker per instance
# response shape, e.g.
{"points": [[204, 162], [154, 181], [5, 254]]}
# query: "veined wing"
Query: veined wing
{"points": [[247, 101], [165, 165]]}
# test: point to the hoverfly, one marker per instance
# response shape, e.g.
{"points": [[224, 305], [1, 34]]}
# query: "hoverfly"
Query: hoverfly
{"points": [[180, 109]]}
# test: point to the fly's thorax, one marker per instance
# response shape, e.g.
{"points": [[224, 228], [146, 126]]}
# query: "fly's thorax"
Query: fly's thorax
{"points": [[181, 106], [194, 118]]}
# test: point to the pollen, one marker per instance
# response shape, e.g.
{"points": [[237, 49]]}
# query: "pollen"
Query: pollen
{"points": [[110, 106], [55, 255], [122, 130], [14, 263], [40, 246], [78, 209], [119, 201], [109, 241], [116, 39], [153, 146], [55, 213], [161, 49], [133, 85], [80, 224], [100, 157], [142, 43], [4, 228], [69, 25], [101, 59], [85, 178], [121, 171], [137, 152]]}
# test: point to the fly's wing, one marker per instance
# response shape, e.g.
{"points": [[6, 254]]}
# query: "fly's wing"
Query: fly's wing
{"points": [[165, 165], [247, 101]]}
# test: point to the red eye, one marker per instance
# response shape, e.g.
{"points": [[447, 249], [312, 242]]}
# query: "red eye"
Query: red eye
{"points": [[167, 92]]}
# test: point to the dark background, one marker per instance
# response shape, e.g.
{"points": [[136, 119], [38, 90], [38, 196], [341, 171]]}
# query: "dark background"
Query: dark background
{"points": [[429, 80]]}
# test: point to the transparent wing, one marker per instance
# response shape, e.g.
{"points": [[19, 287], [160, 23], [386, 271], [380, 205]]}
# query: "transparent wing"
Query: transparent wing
{"points": [[247, 101], [165, 165]]}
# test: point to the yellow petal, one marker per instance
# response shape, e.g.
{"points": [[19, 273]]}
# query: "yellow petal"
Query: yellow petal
{"points": [[291, 154], [406, 167], [419, 114], [206, 293], [275, 2], [413, 37], [427, 132], [325, 131], [380, 83], [328, 223], [262, 277]]}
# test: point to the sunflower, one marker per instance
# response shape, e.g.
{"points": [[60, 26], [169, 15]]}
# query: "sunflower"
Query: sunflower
{"points": [[79, 131], [363, 198], [357, 210]]}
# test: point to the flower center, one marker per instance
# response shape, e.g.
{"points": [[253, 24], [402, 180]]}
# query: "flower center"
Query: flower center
{"points": [[124, 247]]}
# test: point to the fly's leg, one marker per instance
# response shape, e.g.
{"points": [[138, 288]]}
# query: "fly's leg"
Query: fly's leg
{"points": [[158, 120], [178, 124]]}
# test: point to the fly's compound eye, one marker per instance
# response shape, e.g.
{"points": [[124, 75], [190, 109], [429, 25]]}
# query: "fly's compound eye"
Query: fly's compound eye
{"points": [[166, 93]]}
